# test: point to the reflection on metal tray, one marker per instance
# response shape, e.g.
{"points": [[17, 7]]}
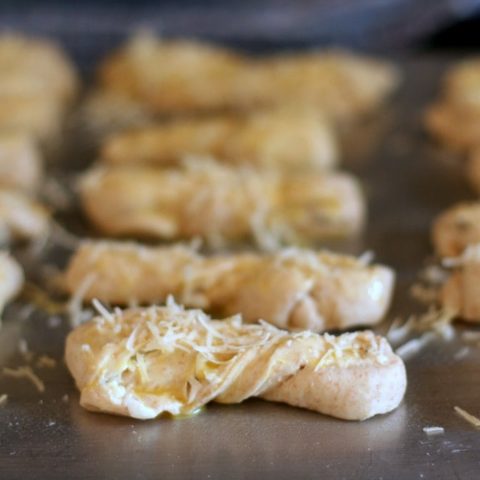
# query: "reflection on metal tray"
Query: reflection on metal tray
{"points": [[49, 436]]}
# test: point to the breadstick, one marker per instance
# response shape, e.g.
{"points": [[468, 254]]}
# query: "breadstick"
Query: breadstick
{"points": [[142, 363], [182, 76], [283, 139], [20, 162], [455, 118], [33, 66], [222, 204], [293, 289], [37, 84], [461, 293]]}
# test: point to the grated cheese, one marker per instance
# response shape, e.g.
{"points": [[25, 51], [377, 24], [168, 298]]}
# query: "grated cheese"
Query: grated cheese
{"points": [[46, 361], [41, 299], [472, 419], [414, 346], [434, 430], [27, 373], [471, 336], [424, 294], [434, 275], [434, 323], [128, 360], [462, 353], [470, 254], [54, 321], [398, 331], [24, 350], [102, 310], [77, 315]]}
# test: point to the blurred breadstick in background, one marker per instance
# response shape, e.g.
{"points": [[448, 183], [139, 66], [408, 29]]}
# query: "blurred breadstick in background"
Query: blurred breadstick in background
{"points": [[286, 139], [222, 204], [37, 85], [187, 76]]}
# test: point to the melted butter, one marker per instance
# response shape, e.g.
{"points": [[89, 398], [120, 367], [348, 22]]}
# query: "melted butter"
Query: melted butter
{"points": [[185, 416]]}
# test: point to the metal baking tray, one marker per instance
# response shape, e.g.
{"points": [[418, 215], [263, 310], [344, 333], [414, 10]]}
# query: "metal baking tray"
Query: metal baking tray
{"points": [[408, 181]]}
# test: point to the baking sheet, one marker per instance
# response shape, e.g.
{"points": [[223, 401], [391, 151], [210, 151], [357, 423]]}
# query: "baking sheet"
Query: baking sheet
{"points": [[407, 181]]}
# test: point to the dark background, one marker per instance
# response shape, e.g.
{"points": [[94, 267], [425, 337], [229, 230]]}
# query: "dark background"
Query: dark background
{"points": [[366, 24]]}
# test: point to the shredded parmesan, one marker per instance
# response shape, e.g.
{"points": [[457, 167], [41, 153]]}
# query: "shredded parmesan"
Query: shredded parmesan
{"points": [[471, 336], [434, 323], [46, 361], [424, 294], [472, 419], [102, 310], [398, 332], [462, 353], [132, 355], [27, 373], [414, 346], [76, 313], [434, 430], [24, 350], [41, 299], [54, 321], [434, 275]]}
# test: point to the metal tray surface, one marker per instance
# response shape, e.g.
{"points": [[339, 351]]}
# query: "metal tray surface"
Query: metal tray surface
{"points": [[408, 181]]}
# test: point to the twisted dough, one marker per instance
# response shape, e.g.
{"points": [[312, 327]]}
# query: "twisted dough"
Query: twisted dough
{"points": [[145, 362], [222, 204], [182, 76], [282, 139], [37, 84], [291, 289], [461, 292], [455, 118]]}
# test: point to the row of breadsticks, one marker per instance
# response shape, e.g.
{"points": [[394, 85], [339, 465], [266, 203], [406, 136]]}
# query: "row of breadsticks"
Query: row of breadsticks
{"points": [[37, 86], [269, 129], [454, 120]]}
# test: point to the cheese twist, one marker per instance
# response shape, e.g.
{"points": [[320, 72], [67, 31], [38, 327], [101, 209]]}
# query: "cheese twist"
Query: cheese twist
{"points": [[293, 289], [145, 362]]}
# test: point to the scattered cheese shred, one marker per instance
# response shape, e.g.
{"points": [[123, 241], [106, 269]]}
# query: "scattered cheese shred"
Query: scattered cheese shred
{"points": [[471, 336], [102, 310], [399, 331], [423, 294], [475, 421], [434, 323], [3, 399], [27, 373], [24, 350], [76, 314], [46, 361], [414, 346], [41, 299], [434, 430], [462, 353]]}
